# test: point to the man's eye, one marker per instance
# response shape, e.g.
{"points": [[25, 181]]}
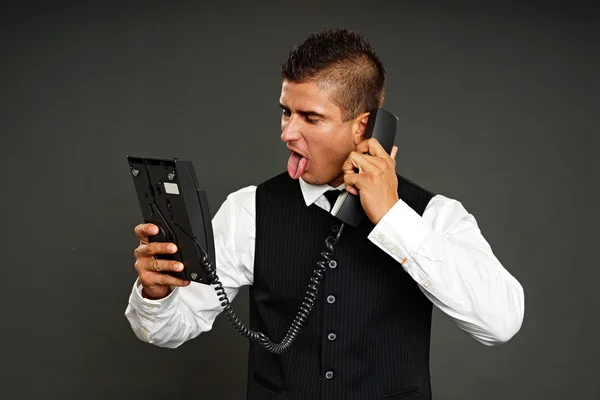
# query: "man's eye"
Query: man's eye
{"points": [[312, 121], [285, 112]]}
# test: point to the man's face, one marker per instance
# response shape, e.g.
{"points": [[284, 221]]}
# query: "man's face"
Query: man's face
{"points": [[313, 129]]}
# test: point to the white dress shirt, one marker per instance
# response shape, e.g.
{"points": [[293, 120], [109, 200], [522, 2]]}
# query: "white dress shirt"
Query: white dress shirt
{"points": [[443, 251]]}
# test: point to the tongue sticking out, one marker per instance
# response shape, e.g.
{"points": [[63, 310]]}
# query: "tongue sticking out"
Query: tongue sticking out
{"points": [[296, 165]]}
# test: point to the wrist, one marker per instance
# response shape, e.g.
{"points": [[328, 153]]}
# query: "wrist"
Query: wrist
{"points": [[155, 296], [385, 210]]}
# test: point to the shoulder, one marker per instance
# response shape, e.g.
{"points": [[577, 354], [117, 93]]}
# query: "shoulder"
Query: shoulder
{"points": [[245, 197], [429, 203], [414, 195], [446, 214], [441, 203], [406, 184], [278, 186], [243, 194], [238, 203], [279, 181]]}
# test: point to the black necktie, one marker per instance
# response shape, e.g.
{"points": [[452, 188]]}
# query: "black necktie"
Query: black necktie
{"points": [[332, 196]]}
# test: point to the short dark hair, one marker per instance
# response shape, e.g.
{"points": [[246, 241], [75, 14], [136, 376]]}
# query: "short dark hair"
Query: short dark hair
{"points": [[342, 60]]}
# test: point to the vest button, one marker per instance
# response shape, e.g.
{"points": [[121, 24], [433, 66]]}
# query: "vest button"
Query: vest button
{"points": [[331, 299], [332, 263], [335, 228], [329, 374], [331, 336]]}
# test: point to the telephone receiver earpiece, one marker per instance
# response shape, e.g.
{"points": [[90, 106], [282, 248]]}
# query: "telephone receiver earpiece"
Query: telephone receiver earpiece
{"points": [[382, 125]]}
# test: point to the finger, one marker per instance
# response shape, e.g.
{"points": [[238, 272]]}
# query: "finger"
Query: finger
{"points": [[350, 181], [373, 147], [357, 160], [365, 163], [154, 248], [157, 248], [151, 279], [348, 166], [168, 280], [143, 231], [394, 152], [157, 265], [349, 170], [363, 147]]}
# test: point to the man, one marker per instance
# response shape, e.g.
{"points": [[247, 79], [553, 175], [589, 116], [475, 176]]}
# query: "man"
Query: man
{"points": [[368, 334]]}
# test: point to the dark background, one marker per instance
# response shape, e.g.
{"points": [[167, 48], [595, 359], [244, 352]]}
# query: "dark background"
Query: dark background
{"points": [[498, 108]]}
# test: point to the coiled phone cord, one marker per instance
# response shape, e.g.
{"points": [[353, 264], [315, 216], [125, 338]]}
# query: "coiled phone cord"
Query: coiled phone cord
{"points": [[303, 313]]}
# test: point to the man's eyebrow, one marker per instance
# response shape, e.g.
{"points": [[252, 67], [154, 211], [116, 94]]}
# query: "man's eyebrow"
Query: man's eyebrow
{"points": [[304, 113]]}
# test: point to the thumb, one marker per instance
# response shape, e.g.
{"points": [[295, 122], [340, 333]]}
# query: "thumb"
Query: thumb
{"points": [[393, 153]]}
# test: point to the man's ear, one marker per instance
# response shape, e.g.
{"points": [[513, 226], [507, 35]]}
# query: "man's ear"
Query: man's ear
{"points": [[359, 125]]}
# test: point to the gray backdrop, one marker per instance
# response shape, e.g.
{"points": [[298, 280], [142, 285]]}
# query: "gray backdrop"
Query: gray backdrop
{"points": [[498, 108]]}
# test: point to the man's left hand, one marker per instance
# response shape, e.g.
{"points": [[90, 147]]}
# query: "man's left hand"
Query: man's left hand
{"points": [[376, 182]]}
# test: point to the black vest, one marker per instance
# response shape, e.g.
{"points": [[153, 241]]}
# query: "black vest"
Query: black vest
{"points": [[368, 335]]}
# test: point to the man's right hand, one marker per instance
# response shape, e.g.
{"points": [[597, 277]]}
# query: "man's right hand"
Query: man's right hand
{"points": [[156, 284]]}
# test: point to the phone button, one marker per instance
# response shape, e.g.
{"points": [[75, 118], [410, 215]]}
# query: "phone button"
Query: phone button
{"points": [[331, 299]]}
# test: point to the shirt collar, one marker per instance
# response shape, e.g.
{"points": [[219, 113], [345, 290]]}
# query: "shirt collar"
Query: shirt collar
{"points": [[312, 192]]}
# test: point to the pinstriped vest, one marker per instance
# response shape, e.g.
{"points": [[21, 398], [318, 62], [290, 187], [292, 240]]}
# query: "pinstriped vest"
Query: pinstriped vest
{"points": [[368, 335]]}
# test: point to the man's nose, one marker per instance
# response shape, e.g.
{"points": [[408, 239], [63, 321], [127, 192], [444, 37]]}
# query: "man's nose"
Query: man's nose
{"points": [[290, 131]]}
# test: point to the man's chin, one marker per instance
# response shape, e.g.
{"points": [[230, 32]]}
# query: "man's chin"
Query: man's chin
{"points": [[319, 180], [310, 179]]}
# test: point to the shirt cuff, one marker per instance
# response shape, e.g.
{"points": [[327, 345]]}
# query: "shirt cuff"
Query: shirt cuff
{"points": [[400, 233], [152, 307]]}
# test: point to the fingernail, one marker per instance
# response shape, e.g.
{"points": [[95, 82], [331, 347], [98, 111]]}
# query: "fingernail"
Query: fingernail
{"points": [[172, 248], [179, 266]]}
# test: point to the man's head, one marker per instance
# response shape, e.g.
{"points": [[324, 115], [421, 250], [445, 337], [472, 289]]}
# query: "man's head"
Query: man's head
{"points": [[330, 82]]}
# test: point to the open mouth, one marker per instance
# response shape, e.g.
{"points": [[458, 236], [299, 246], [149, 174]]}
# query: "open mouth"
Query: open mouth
{"points": [[296, 165]]}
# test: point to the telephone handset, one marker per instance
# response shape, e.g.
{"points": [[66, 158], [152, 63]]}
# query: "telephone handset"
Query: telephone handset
{"points": [[382, 126], [170, 197]]}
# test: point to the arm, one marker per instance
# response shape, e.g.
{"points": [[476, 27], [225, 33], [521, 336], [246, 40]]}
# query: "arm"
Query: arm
{"points": [[191, 310], [446, 254]]}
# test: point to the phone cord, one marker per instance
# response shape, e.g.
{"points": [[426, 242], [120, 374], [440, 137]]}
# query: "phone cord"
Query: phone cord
{"points": [[303, 313]]}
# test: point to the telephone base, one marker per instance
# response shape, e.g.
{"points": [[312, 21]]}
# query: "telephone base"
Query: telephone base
{"points": [[170, 198]]}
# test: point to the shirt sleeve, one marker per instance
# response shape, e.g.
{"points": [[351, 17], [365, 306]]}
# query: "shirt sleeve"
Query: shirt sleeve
{"points": [[445, 252], [189, 311]]}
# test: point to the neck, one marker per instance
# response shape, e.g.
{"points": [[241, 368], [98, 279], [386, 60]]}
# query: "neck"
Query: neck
{"points": [[337, 181]]}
